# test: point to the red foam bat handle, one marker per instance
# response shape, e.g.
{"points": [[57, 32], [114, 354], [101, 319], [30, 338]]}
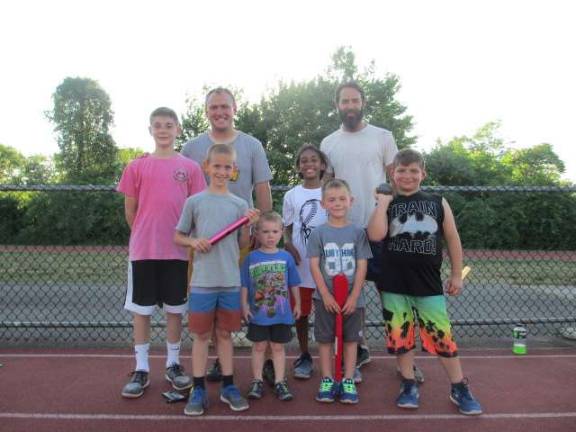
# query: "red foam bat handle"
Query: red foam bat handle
{"points": [[340, 284], [229, 229]]}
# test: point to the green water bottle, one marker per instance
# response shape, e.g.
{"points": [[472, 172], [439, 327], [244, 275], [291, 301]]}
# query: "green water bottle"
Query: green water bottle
{"points": [[519, 337]]}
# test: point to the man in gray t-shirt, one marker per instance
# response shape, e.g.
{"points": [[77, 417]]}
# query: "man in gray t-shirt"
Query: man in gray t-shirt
{"points": [[252, 172]]}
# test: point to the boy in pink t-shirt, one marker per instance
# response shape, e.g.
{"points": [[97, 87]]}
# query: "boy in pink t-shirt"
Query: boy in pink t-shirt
{"points": [[155, 187]]}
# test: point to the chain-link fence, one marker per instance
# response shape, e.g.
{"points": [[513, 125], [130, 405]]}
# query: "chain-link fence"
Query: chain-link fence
{"points": [[63, 265]]}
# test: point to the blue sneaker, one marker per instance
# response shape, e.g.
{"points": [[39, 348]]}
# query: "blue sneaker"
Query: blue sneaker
{"points": [[328, 390], [303, 366], [197, 402], [409, 396], [348, 393], [464, 400], [231, 395]]}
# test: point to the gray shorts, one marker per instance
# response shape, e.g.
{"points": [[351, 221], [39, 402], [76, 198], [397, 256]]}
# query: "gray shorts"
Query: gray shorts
{"points": [[324, 323]]}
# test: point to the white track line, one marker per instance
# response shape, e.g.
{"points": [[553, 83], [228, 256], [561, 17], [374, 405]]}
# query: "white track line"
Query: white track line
{"points": [[245, 357], [302, 418]]}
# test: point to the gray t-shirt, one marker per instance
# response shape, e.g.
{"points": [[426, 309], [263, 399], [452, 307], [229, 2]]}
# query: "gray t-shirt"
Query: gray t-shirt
{"points": [[251, 162], [203, 215], [338, 249]]}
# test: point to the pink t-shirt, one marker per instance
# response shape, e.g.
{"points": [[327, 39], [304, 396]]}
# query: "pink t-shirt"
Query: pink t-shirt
{"points": [[161, 187]]}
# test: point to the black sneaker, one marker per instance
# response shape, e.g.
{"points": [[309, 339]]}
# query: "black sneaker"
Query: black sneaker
{"points": [[363, 356], [268, 373], [282, 391], [214, 372], [179, 380], [256, 389], [135, 387]]}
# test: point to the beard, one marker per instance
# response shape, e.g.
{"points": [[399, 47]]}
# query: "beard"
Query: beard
{"points": [[351, 118]]}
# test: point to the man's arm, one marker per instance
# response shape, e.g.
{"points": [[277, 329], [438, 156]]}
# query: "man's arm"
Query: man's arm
{"points": [[263, 196]]}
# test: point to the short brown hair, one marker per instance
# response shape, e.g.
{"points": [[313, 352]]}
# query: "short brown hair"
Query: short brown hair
{"points": [[220, 149], [335, 184], [164, 112], [219, 90], [407, 157], [349, 84], [270, 216]]}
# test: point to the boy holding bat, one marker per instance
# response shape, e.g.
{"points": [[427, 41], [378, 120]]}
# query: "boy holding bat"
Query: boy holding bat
{"points": [[214, 298], [413, 225], [338, 248]]}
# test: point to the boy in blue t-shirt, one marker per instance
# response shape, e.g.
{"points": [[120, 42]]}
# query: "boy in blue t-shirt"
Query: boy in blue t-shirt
{"points": [[268, 274]]}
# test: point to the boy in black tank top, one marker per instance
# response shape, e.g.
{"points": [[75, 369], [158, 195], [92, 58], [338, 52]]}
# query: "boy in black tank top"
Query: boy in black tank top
{"points": [[413, 226]]}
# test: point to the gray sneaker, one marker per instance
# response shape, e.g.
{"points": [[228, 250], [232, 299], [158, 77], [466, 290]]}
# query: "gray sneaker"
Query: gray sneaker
{"points": [[357, 376], [179, 380], [418, 374], [256, 389], [303, 366], [135, 387], [282, 391], [231, 395]]}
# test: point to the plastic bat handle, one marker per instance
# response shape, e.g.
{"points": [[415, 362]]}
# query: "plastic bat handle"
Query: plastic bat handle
{"points": [[229, 229]]}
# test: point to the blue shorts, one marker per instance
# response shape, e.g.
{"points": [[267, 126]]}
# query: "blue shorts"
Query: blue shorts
{"points": [[207, 306]]}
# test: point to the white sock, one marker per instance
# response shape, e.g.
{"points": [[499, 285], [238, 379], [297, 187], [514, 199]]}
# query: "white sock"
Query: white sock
{"points": [[173, 353], [142, 357]]}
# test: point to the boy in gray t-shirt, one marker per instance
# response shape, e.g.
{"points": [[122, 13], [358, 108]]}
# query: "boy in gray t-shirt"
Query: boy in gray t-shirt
{"points": [[214, 299], [338, 247]]}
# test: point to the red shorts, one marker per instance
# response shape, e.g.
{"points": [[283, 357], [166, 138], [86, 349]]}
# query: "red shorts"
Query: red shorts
{"points": [[305, 301]]}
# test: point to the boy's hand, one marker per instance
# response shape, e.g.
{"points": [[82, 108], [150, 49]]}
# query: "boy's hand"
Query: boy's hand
{"points": [[350, 305], [246, 312], [383, 200], [297, 312], [291, 249], [200, 245], [253, 215], [454, 285], [330, 303]]}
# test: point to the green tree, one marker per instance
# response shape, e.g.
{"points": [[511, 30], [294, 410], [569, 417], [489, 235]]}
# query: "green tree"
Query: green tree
{"points": [[11, 164], [125, 156], [38, 169], [537, 165], [82, 116]]}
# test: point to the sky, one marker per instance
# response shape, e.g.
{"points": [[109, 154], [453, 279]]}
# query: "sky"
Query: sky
{"points": [[461, 64]]}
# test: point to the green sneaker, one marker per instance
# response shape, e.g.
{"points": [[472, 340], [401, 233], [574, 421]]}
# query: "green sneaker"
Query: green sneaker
{"points": [[327, 391], [348, 393]]}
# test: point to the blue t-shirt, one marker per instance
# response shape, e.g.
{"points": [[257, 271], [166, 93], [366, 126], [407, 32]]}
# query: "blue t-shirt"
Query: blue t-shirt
{"points": [[268, 277]]}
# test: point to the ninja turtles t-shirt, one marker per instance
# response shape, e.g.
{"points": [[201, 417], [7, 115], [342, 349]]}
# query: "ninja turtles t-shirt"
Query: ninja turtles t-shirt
{"points": [[412, 249], [268, 277]]}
